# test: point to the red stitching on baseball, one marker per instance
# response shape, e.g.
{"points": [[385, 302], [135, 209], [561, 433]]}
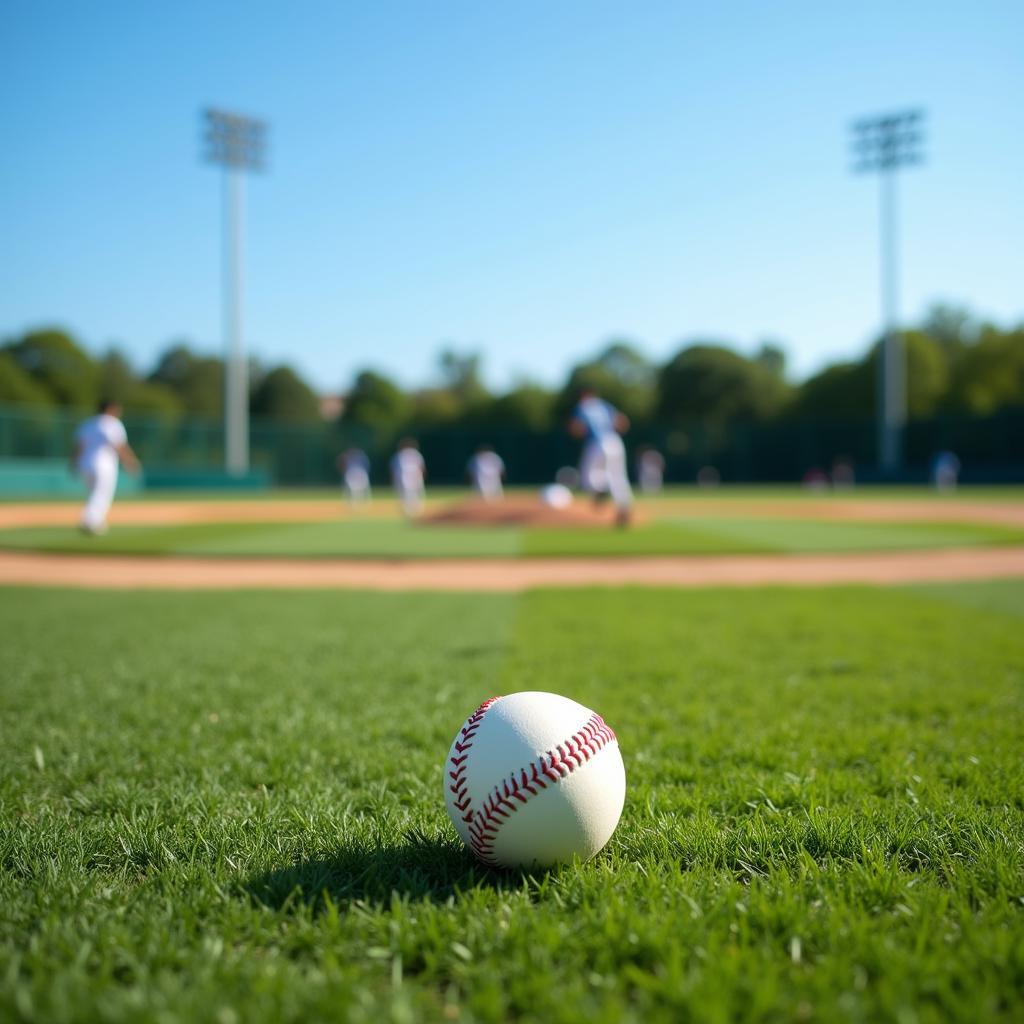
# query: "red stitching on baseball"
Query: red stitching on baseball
{"points": [[461, 798], [554, 766]]}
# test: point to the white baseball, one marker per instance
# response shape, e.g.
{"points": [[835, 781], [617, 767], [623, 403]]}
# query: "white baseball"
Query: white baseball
{"points": [[533, 779], [556, 496]]}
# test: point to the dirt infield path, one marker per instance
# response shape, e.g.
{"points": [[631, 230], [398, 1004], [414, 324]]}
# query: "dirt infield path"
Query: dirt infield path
{"points": [[510, 575], [309, 510], [181, 512]]}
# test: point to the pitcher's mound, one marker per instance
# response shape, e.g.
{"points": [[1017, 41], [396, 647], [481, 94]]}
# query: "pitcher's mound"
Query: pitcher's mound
{"points": [[521, 510]]}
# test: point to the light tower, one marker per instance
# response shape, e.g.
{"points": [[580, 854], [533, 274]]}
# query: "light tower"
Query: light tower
{"points": [[236, 143], [885, 144]]}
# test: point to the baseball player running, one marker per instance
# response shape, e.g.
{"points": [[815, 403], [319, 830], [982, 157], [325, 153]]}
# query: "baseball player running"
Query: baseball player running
{"points": [[486, 469], [408, 471], [592, 475], [600, 424], [355, 474], [101, 446], [650, 469]]}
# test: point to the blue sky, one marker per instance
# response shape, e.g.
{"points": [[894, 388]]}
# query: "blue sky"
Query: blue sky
{"points": [[527, 179]]}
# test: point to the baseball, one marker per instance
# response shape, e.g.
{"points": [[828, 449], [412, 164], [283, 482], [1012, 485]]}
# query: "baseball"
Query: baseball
{"points": [[534, 779], [556, 496]]}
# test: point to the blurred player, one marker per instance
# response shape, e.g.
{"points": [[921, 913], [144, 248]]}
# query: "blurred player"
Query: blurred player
{"points": [[843, 475], [945, 471], [408, 471], [650, 469], [354, 466], [487, 470], [708, 477], [600, 424], [101, 446], [593, 475], [815, 479]]}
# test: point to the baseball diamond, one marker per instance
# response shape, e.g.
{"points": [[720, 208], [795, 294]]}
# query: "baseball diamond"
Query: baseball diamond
{"points": [[512, 514], [831, 756]]}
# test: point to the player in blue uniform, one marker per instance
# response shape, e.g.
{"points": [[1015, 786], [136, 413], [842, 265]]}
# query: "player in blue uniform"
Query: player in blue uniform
{"points": [[355, 473], [600, 425]]}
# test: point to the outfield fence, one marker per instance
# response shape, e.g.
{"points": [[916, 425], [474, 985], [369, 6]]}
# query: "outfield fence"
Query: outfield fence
{"points": [[190, 451]]}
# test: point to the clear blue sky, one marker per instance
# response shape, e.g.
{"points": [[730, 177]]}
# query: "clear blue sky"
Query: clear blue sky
{"points": [[527, 179]]}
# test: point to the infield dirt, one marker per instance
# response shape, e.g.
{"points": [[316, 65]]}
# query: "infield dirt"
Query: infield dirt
{"points": [[289, 510], [492, 574], [521, 511], [488, 574]]}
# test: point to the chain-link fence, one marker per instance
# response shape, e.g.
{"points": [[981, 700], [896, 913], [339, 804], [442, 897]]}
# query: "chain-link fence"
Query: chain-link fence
{"points": [[991, 449]]}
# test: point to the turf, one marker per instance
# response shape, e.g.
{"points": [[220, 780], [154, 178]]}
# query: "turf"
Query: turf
{"points": [[227, 807], [392, 538], [1004, 596], [797, 535]]}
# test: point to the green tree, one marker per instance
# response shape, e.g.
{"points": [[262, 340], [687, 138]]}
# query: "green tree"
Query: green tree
{"points": [[850, 389], [953, 327], [620, 374], [927, 373], [989, 375], [60, 366], [461, 373], [116, 375], [842, 389], [463, 395], [527, 406], [712, 383], [284, 396], [19, 388], [432, 407], [119, 382], [772, 357], [377, 402], [198, 381], [147, 399]]}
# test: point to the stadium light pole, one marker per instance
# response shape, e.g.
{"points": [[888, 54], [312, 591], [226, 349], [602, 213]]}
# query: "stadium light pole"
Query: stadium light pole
{"points": [[238, 144], [883, 145]]}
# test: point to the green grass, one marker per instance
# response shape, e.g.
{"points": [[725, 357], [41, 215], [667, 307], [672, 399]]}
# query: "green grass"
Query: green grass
{"points": [[384, 538], [1006, 596], [227, 807], [392, 538], [864, 492], [796, 535]]}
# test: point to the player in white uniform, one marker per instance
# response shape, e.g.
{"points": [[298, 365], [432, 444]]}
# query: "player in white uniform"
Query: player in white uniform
{"points": [[593, 476], [945, 471], [600, 425], [650, 470], [355, 474], [101, 446], [486, 469], [408, 471]]}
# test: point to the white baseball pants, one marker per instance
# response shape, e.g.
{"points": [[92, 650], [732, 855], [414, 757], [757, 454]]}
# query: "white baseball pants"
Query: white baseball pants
{"points": [[613, 452], [357, 484], [410, 496], [101, 480]]}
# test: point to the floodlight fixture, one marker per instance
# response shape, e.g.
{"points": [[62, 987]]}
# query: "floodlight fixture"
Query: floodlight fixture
{"points": [[233, 140], [883, 145], [238, 144]]}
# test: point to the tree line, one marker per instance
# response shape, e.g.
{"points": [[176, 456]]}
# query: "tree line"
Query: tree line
{"points": [[955, 364]]}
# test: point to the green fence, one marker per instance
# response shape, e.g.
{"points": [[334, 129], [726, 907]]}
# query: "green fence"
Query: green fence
{"points": [[51, 477], [190, 452]]}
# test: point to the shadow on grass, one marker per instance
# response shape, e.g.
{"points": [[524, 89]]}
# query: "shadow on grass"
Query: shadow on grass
{"points": [[417, 865]]}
